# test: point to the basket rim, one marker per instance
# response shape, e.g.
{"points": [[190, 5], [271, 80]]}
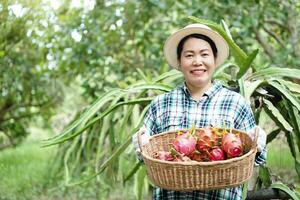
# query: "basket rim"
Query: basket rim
{"points": [[252, 150]]}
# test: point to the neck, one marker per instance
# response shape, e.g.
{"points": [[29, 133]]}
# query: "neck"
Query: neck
{"points": [[197, 92]]}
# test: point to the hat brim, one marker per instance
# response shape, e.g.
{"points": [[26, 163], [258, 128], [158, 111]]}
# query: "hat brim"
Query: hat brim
{"points": [[171, 44]]}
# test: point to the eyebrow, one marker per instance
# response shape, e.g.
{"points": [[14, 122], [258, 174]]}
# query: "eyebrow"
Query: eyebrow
{"points": [[191, 51]]}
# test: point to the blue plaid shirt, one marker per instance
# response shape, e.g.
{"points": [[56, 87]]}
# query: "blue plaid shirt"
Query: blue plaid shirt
{"points": [[217, 107]]}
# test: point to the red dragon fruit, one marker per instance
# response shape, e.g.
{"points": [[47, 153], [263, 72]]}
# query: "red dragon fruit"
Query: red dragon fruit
{"points": [[232, 145], [216, 154], [164, 155], [206, 139], [185, 143]]}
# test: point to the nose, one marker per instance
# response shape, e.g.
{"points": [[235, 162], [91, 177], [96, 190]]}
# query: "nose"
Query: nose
{"points": [[197, 60]]}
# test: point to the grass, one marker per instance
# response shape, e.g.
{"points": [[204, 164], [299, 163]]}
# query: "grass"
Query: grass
{"points": [[281, 161], [24, 171]]}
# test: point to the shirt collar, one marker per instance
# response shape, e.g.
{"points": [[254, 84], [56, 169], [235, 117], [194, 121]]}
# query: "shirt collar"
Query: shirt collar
{"points": [[216, 86]]}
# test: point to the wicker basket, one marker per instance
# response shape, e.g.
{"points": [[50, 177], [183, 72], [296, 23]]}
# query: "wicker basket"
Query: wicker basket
{"points": [[188, 176]]}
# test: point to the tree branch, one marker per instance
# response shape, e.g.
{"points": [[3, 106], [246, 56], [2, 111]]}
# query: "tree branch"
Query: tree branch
{"points": [[4, 146], [16, 118], [293, 29], [273, 35], [275, 22], [6, 109], [11, 140], [264, 44]]}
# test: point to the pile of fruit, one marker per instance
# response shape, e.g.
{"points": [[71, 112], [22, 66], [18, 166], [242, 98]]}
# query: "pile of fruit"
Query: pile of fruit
{"points": [[207, 144]]}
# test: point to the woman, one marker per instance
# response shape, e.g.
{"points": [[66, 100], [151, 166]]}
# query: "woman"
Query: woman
{"points": [[197, 51]]}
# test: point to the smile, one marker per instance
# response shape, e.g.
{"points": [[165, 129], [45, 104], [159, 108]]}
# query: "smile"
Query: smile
{"points": [[198, 71]]}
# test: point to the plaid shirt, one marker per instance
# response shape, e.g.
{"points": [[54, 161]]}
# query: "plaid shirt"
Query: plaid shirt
{"points": [[217, 107]]}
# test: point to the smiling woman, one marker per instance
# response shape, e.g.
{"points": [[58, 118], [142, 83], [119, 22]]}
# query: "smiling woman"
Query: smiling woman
{"points": [[200, 101]]}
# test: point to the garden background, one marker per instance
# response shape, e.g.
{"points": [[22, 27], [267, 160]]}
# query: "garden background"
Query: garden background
{"points": [[76, 77]]}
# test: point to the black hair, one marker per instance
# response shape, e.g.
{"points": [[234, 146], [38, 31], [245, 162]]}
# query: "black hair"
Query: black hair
{"points": [[199, 36]]}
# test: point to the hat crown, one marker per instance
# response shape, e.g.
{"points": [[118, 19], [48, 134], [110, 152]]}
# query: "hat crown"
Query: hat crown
{"points": [[197, 26]]}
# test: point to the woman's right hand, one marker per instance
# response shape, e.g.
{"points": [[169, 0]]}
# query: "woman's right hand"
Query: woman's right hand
{"points": [[144, 139]]}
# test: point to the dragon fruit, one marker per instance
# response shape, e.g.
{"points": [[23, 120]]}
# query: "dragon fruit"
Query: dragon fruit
{"points": [[232, 145], [164, 155], [207, 144], [185, 143], [216, 154], [206, 139], [197, 156]]}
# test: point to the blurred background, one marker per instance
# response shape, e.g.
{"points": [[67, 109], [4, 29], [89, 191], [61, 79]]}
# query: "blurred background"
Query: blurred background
{"points": [[59, 58]]}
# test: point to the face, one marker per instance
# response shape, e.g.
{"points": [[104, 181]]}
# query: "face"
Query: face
{"points": [[197, 63]]}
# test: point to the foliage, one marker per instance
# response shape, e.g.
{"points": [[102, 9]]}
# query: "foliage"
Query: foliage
{"points": [[27, 88], [118, 44]]}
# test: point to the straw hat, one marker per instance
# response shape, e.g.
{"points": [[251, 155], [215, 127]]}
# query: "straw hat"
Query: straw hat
{"points": [[170, 48]]}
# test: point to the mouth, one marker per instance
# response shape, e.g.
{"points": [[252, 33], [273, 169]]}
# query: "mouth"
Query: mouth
{"points": [[198, 71]]}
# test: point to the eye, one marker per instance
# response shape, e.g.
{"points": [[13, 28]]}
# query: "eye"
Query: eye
{"points": [[189, 55]]}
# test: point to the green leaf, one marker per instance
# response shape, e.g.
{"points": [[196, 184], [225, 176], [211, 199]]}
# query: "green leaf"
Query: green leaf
{"points": [[132, 171], [141, 174], [245, 190], [297, 167], [242, 87], [271, 136], [90, 112], [285, 188], [286, 94], [174, 74], [295, 121], [273, 72], [265, 176], [250, 87], [290, 141], [149, 86], [276, 115], [246, 64], [225, 27], [220, 70], [294, 138], [111, 159], [142, 74], [293, 87], [95, 119]]}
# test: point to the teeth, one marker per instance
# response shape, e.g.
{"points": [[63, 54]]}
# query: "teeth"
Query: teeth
{"points": [[199, 70]]}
